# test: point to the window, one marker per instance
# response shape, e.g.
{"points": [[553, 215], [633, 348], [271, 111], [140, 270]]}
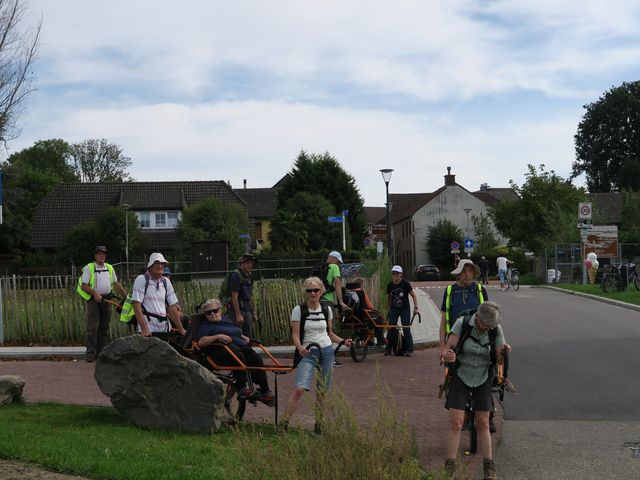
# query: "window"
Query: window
{"points": [[145, 219], [161, 220], [172, 219]]}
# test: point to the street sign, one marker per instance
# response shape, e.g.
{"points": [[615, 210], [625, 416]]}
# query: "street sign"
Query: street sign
{"points": [[468, 243], [455, 245], [584, 211], [244, 235], [335, 219], [345, 213]]}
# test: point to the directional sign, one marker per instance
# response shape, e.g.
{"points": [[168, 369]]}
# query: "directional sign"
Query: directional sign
{"points": [[468, 243], [335, 219]]}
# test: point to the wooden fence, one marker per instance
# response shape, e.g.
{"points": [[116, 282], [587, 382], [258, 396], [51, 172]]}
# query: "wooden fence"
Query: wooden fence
{"points": [[48, 311]]}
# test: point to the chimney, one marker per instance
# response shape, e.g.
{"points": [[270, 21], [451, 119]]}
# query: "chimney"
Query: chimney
{"points": [[484, 187], [244, 182], [449, 180]]}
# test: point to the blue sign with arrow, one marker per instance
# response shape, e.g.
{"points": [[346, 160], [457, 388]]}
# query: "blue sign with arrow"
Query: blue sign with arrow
{"points": [[468, 243]]}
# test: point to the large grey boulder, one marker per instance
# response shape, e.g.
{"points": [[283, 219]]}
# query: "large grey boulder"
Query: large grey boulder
{"points": [[153, 386], [11, 387]]}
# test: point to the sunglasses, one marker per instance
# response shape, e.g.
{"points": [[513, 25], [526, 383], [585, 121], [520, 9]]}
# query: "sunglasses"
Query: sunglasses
{"points": [[312, 290], [213, 311]]}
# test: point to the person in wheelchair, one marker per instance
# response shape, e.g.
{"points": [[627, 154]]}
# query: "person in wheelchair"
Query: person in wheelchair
{"points": [[218, 329]]}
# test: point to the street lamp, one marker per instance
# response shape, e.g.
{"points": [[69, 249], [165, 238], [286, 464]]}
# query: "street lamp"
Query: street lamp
{"points": [[386, 176], [126, 207], [467, 233]]}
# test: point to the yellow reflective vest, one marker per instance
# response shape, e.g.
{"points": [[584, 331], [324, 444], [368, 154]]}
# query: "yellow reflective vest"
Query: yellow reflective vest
{"points": [[447, 313], [92, 279]]}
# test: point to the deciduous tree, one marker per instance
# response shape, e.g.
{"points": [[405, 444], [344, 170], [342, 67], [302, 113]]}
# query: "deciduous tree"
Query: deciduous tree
{"points": [[439, 238], [96, 161]]}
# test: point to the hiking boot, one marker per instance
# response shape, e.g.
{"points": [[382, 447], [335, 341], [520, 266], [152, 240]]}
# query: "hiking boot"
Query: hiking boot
{"points": [[451, 467], [489, 469]]}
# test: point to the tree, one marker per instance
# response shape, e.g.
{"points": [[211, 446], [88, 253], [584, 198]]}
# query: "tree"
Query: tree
{"points": [[608, 141], [18, 50], [630, 218], [96, 161], [439, 238], [288, 231], [29, 175], [312, 210], [211, 220], [485, 237], [323, 175], [545, 212]]}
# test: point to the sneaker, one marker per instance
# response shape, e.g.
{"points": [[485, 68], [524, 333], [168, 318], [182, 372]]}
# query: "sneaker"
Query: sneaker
{"points": [[245, 393], [408, 354], [267, 398], [489, 468], [337, 363]]}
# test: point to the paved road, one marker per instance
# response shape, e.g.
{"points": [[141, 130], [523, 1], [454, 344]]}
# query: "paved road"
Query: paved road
{"points": [[575, 364]]}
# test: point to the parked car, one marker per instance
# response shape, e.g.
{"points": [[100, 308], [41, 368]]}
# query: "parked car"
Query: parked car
{"points": [[426, 272]]}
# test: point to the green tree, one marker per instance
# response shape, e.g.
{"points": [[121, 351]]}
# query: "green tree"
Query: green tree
{"points": [[608, 141], [545, 212], [97, 161], [485, 236], [18, 49], [312, 210], [28, 176], [288, 231], [322, 174], [630, 218], [211, 220], [439, 238]]}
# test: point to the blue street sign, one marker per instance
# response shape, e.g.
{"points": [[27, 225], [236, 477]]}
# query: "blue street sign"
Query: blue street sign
{"points": [[335, 219], [468, 243], [345, 213], [244, 235]]}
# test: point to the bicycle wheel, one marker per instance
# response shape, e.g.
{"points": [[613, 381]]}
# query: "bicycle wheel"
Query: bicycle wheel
{"points": [[397, 347], [234, 407], [636, 281], [515, 281], [359, 349], [508, 281], [605, 283], [473, 431]]}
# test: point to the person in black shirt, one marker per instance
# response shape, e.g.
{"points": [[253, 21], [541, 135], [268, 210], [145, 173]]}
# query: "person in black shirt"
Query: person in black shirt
{"points": [[398, 291], [484, 270], [242, 308]]}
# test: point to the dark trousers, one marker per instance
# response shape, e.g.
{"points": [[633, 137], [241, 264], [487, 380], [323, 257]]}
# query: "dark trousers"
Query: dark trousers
{"points": [[246, 326], [248, 356], [97, 323], [405, 318], [485, 277]]}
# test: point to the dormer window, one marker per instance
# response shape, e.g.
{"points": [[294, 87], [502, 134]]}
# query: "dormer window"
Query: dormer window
{"points": [[158, 219]]}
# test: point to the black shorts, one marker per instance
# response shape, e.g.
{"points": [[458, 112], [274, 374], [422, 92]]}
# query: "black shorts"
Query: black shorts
{"points": [[458, 395]]}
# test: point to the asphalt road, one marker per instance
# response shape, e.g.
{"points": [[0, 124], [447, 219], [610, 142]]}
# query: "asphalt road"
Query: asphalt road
{"points": [[575, 365]]}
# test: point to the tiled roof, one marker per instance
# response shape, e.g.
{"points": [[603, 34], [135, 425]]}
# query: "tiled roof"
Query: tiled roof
{"points": [[607, 206], [375, 215], [491, 196], [68, 205], [261, 202], [406, 204]]}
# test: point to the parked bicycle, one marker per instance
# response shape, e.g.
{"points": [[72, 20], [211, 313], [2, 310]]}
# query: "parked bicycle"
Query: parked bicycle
{"points": [[613, 277], [513, 279]]}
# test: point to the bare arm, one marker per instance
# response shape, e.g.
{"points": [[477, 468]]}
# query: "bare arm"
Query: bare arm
{"points": [[337, 284], [86, 288], [120, 289], [415, 300], [210, 339], [295, 336], [142, 321]]}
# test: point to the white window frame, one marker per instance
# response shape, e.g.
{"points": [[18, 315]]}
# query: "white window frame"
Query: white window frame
{"points": [[151, 217]]}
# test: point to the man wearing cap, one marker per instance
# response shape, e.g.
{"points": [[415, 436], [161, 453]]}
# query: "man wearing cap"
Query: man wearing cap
{"points": [[333, 282], [398, 292], [96, 282], [241, 306], [154, 299]]}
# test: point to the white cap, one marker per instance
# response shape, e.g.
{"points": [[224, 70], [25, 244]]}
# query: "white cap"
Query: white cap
{"points": [[396, 268], [156, 257], [337, 256]]}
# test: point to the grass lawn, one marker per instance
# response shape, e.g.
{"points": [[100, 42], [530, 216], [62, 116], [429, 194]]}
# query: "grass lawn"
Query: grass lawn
{"points": [[630, 296], [98, 442]]}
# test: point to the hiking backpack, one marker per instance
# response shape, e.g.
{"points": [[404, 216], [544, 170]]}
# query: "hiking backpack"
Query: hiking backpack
{"points": [[127, 314], [465, 334], [321, 270], [304, 314]]}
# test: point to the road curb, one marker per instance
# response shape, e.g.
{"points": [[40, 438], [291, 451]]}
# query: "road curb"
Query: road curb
{"points": [[610, 301]]}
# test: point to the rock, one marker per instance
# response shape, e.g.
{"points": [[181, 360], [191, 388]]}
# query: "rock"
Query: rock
{"points": [[11, 387], [155, 387]]}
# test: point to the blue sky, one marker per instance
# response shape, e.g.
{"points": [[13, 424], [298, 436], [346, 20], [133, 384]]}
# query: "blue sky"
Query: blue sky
{"points": [[201, 90]]}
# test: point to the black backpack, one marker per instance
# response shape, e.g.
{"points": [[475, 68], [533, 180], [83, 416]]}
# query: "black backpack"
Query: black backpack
{"points": [[465, 334], [321, 270], [304, 314]]}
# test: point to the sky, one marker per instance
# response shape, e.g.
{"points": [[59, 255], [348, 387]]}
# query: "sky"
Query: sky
{"points": [[220, 90]]}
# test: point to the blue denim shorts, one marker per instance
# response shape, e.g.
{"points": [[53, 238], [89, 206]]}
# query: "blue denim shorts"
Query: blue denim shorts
{"points": [[307, 367]]}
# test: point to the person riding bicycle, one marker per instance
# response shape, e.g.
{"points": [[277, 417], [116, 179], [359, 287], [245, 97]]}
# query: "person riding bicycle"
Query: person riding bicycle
{"points": [[473, 378], [502, 262]]}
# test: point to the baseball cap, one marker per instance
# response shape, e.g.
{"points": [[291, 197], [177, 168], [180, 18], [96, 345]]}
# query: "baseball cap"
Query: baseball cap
{"points": [[396, 268], [156, 257], [336, 255]]}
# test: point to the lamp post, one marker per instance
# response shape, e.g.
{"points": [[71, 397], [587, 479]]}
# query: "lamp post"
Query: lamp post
{"points": [[126, 207], [467, 231], [386, 176]]}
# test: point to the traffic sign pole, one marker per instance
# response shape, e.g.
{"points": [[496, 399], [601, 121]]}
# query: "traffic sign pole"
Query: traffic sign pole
{"points": [[344, 236]]}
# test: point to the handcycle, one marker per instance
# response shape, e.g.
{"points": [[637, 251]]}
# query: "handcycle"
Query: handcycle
{"points": [[513, 279], [365, 324], [613, 277]]}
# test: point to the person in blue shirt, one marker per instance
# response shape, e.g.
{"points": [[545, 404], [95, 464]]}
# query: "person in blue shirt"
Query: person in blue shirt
{"points": [[218, 329]]}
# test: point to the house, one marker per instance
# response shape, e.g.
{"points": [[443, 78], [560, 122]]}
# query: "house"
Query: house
{"points": [[413, 213], [158, 206], [262, 204]]}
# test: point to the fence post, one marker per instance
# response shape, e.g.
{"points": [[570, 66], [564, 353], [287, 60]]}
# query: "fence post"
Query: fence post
{"points": [[1, 316]]}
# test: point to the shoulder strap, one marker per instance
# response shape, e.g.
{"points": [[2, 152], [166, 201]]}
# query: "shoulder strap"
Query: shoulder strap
{"points": [[493, 334], [325, 312], [465, 333], [447, 308], [304, 313]]}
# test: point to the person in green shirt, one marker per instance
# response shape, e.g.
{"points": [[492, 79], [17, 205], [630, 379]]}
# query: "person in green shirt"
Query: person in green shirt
{"points": [[333, 295]]}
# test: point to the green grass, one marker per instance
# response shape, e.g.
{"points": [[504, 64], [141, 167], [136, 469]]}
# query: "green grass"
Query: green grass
{"points": [[630, 296]]}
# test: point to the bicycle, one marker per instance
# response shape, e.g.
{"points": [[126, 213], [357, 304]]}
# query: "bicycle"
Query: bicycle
{"points": [[613, 277], [513, 279]]}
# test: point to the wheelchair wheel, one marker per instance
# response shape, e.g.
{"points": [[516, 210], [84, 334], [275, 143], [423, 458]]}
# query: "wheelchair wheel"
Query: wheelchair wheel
{"points": [[234, 407], [397, 345], [515, 281], [359, 349]]}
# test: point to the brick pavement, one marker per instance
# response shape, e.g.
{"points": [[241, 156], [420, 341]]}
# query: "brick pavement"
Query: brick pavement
{"points": [[413, 382]]}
